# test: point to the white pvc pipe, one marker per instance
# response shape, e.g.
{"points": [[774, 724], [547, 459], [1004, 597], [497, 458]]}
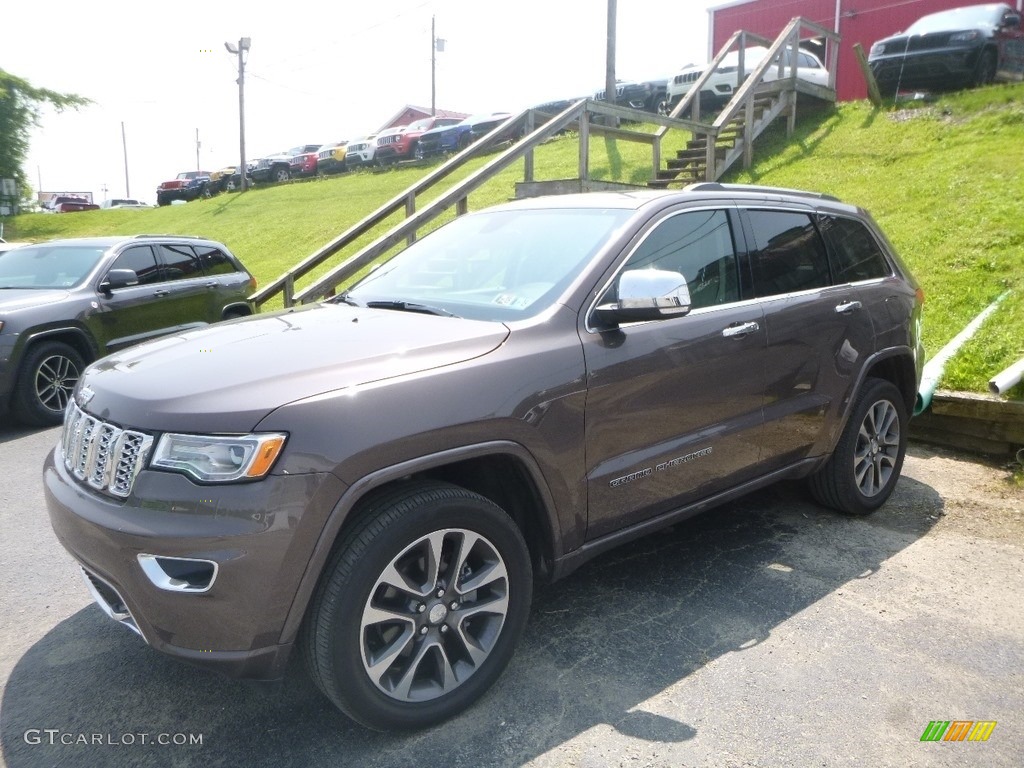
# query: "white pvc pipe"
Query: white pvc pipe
{"points": [[1002, 382], [934, 368]]}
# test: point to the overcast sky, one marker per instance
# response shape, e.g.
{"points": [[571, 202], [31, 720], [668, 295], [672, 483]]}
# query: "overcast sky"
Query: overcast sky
{"points": [[317, 72]]}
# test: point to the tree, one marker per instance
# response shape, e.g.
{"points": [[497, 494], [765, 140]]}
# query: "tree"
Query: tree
{"points": [[20, 104]]}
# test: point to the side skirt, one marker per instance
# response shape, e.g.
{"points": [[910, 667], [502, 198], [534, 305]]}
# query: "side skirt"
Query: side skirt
{"points": [[566, 564]]}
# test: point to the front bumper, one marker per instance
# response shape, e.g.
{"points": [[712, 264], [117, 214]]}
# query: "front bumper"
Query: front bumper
{"points": [[331, 165], [260, 536], [940, 70]]}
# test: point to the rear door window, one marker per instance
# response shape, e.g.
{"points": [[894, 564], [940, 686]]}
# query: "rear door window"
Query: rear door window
{"points": [[789, 254], [180, 262]]}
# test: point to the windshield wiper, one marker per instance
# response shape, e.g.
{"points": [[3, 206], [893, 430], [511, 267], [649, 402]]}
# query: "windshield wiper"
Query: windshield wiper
{"points": [[344, 298], [410, 306]]}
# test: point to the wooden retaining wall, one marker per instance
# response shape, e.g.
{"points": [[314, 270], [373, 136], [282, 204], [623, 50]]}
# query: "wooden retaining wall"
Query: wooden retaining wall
{"points": [[977, 423]]}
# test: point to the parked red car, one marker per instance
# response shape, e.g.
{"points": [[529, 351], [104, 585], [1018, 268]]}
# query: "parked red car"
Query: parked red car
{"points": [[70, 204], [402, 146], [304, 164]]}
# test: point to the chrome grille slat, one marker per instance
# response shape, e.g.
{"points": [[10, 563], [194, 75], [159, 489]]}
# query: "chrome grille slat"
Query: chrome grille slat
{"points": [[103, 455]]}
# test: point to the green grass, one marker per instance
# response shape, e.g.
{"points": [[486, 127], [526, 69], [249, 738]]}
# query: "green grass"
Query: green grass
{"points": [[944, 180]]}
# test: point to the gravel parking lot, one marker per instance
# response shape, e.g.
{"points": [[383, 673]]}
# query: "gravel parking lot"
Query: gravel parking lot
{"points": [[766, 633]]}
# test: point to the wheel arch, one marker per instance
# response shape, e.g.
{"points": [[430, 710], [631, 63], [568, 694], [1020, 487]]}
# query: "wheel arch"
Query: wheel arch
{"points": [[76, 338], [896, 366], [502, 471]]}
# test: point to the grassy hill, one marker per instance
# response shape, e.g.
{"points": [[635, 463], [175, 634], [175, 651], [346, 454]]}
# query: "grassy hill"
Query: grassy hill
{"points": [[945, 181]]}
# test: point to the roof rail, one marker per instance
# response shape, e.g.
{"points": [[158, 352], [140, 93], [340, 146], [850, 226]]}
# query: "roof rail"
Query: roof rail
{"points": [[714, 186], [169, 234]]}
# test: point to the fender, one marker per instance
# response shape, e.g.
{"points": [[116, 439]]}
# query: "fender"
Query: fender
{"points": [[880, 355], [350, 498]]}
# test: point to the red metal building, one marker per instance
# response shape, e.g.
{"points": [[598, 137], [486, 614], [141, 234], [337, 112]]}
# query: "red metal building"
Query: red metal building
{"points": [[857, 21]]}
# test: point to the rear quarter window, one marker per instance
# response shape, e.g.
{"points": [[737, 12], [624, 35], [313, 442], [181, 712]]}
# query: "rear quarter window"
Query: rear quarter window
{"points": [[855, 253], [215, 261]]}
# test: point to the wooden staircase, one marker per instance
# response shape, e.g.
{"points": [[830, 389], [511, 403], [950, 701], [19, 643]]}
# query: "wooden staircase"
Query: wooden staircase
{"points": [[690, 165], [714, 147]]}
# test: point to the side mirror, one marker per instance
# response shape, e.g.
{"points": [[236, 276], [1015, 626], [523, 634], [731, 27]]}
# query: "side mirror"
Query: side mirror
{"points": [[646, 294], [1011, 21], [119, 278]]}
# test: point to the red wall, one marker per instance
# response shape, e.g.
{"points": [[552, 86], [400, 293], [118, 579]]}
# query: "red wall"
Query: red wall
{"points": [[860, 21]]}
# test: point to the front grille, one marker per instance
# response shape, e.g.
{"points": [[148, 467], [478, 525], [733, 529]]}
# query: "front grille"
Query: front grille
{"points": [[387, 140], [688, 77], [102, 455]]}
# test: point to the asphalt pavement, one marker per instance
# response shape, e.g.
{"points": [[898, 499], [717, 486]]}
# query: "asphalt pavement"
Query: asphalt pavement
{"points": [[768, 632]]}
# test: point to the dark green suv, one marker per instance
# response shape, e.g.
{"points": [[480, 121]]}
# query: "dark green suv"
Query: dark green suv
{"points": [[67, 302]]}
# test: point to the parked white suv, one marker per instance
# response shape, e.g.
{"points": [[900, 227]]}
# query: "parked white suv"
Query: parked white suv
{"points": [[720, 87], [360, 152]]}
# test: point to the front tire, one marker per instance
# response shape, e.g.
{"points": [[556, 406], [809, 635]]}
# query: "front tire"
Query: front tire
{"points": [[420, 607], [46, 382], [863, 470], [281, 175], [986, 72]]}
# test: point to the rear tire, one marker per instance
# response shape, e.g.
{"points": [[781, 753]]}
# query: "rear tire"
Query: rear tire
{"points": [[47, 379], [863, 470], [419, 608]]}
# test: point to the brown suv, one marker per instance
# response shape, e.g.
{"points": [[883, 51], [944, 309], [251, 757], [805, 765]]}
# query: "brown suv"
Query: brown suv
{"points": [[379, 479]]}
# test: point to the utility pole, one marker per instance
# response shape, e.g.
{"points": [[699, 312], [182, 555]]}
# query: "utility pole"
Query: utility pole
{"points": [[436, 46], [609, 74], [198, 145], [433, 67], [244, 44], [124, 146]]}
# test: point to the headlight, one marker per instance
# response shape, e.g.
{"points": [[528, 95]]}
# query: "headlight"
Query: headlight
{"points": [[218, 458], [965, 37], [877, 49]]}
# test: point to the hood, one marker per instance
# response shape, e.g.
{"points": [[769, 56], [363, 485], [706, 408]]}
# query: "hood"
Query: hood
{"points": [[13, 299], [228, 377]]}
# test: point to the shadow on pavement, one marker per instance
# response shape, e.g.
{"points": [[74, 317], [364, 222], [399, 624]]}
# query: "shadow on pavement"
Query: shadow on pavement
{"points": [[599, 644]]}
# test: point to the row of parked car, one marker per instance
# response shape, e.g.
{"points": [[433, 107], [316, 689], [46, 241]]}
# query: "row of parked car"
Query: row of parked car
{"points": [[426, 137]]}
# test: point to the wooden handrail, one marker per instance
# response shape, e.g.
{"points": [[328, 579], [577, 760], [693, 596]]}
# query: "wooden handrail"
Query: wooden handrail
{"points": [[454, 196]]}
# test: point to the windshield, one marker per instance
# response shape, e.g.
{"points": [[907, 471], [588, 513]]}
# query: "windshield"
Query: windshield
{"points": [[958, 18], [46, 266], [500, 265]]}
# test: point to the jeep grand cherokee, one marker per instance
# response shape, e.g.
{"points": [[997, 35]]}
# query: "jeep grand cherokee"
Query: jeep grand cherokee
{"points": [[379, 478], [64, 303]]}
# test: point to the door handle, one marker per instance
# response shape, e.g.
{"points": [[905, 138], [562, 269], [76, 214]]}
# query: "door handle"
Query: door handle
{"points": [[847, 307], [212, 284], [161, 293], [736, 331]]}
